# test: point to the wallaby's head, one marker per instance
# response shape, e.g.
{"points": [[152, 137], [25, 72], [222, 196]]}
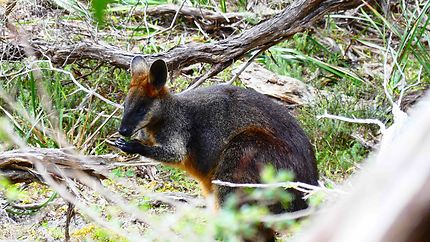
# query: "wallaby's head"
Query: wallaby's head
{"points": [[147, 88]]}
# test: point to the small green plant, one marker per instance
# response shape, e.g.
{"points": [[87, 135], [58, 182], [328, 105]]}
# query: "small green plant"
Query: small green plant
{"points": [[238, 219], [99, 7], [123, 172], [12, 192], [53, 230], [223, 6], [95, 233]]}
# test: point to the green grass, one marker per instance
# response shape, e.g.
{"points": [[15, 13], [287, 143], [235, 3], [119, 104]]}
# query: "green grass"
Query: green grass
{"points": [[337, 151], [64, 97]]}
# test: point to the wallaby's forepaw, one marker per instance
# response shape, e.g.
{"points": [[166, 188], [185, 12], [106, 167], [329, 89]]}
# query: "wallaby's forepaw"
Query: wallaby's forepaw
{"points": [[131, 147]]}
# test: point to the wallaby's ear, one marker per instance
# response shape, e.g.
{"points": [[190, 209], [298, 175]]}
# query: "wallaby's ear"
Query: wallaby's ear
{"points": [[158, 74], [138, 65]]}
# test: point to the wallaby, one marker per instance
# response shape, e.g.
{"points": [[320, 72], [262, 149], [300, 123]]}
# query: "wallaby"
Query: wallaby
{"points": [[220, 132]]}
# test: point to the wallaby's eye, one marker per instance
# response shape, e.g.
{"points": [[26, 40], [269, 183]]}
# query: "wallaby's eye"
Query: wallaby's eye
{"points": [[144, 106]]}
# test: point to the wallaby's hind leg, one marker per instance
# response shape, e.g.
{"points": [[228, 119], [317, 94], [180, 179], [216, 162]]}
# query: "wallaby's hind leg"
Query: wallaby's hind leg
{"points": [[237, 166], [242, 162], [245, 157]]}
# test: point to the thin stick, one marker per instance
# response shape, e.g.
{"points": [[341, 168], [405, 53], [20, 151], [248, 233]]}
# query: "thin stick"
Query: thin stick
{"points": [[294, 185], [245, 66], [201, 30], [381, 125], [99, 128], [215, 70], [69, 215], [81, 87]]}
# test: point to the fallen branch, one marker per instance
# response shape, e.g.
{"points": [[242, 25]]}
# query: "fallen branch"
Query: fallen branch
{"points": [[18, 165], [194, 13], [172, 24]]}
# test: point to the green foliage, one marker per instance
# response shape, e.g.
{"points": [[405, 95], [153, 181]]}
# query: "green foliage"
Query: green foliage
{"points": [[237, 219], [337, 151], [411, 53], [201, 2], [243, 3], [72, 6], [12, 192], [123, 172], [55, 231], [105, 235], [4, 129], [96, 233], [223, 6], [145, 204], [178, 180], [278, 194], [79, 125], [99, 8], [288, 58], [233, 224]]}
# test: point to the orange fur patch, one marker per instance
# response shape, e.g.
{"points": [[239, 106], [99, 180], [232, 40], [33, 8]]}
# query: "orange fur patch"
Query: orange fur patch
{"points": [[142, 84], [205, 180], [149, 139]]}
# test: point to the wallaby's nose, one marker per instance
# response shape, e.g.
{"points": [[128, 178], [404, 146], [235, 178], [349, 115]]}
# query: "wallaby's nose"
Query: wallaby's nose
{"points": [[124, 131]]}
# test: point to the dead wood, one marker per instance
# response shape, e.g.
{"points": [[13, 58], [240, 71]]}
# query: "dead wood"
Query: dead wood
{"points": [[214, 23], [299, 16], [196, 13], [19, 165], [287, 89], [390, 199]]}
